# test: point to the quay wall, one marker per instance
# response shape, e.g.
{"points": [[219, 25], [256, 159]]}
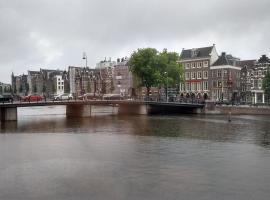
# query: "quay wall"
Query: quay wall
{"points": [[237, 110]]}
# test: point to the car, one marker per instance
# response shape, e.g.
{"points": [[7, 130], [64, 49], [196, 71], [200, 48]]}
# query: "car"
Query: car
{"points": [[64, 96], [89, 96], [34, 97], [6, 98]]}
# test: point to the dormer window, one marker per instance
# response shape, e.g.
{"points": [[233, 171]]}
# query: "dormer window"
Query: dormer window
{"points": [[194, 53]]}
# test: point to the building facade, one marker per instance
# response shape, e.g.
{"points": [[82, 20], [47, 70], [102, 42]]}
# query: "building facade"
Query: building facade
{"points": [[19, 85], [5, 88], [252, 80], [122, 78], [196, 63], [225, 80]]}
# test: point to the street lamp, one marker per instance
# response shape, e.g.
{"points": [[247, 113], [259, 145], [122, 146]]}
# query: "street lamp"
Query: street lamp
{"points": [[166, 86], [85, 58]]}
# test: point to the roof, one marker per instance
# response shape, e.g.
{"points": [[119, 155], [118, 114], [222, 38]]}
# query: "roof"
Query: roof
{"points": [[246, 63], [33, 72], [264, 59], [196, 53], [222, 60]]}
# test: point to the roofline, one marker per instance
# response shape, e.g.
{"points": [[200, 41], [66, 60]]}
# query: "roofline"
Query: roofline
{"points": [[225, 67], [194, 59]]}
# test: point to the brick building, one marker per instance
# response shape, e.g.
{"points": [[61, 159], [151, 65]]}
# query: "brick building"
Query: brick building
{"points": [[196, 63], [225, 79]]}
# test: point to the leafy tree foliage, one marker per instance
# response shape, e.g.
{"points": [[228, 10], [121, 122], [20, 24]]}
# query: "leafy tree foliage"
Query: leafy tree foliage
{"points": [[153, 68]]}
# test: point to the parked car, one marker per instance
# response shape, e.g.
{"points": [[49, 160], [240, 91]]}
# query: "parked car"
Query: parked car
{"points": [[6, 98], [89, 96], [63, 97], [33, 97]]}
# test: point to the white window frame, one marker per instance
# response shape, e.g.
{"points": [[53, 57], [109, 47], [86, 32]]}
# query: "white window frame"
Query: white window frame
{"points": [[199, 77], [205, 77], [193, 75], [187, 75]]}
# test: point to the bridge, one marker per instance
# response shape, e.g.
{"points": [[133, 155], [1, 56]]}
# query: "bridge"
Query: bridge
{"points": [[81, 108]]}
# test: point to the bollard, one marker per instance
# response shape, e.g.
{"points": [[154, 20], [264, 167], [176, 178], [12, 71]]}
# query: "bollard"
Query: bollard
{"points": [[229, 117]]}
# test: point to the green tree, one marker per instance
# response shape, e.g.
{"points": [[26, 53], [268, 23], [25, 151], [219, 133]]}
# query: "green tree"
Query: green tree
{"points": [[170, 69], [152, 68], [144, 64], [266, 85]]}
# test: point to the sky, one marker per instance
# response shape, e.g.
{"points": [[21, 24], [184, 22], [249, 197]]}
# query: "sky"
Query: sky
{"points": [[53, 34]]}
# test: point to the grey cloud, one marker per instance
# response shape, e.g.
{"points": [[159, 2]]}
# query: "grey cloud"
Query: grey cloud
{"points": [[54, 33]]}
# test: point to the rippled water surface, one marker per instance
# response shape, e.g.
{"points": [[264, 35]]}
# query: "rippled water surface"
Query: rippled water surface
{"points": [[47, 156]]}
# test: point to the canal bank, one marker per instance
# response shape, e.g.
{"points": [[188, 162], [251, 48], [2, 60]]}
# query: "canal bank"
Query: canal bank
{"points": [[236, 110]]}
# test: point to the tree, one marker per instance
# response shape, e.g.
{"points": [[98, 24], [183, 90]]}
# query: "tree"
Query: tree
{"points": [[168, 62], [152, 68], [266, 85], [144, 64]]}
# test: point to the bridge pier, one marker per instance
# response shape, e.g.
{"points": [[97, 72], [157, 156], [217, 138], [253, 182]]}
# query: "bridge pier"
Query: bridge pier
{"points": [[133, 109], [8, 114], [78, 110]]}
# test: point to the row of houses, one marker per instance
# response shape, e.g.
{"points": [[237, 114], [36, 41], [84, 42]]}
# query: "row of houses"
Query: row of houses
{"points": [[207, 74], [222, 77], [108, 77]]}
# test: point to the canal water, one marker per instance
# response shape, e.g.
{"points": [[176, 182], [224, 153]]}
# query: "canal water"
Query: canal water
{"points": [[46, 156]]}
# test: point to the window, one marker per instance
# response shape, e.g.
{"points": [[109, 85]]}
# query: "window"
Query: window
{"points": [[199, 75], [205, 85], [187, 86], [199, 86], [238, 74], [192, 65], [259, 72], [225, 72], [260, 83], [193, 86], [58, 87], [187, 75], [219, 73], [205, 74], [205, 64], [187, 65], [199, 65], [193, 75]]}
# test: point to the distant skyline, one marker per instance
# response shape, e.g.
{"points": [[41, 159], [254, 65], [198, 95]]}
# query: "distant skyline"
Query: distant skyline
{"points": [[53, 34]]}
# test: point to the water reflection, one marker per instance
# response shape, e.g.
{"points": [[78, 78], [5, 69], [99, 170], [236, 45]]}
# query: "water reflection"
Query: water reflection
{"points": [[247, 129], [134, 157]]}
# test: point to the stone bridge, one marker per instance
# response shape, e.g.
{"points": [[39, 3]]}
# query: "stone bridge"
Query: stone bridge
{"points": [[77, 108]]}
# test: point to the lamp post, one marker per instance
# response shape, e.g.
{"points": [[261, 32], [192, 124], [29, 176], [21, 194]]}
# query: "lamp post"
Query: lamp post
{"points": [[85, 58], [166, 74]]}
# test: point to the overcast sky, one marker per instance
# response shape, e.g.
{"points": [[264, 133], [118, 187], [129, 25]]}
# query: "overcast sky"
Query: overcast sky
{"points": [[53, 34]]}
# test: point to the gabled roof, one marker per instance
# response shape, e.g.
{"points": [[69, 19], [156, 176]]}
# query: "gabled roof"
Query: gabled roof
{"points": [[222, 60], [196, 53]]}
